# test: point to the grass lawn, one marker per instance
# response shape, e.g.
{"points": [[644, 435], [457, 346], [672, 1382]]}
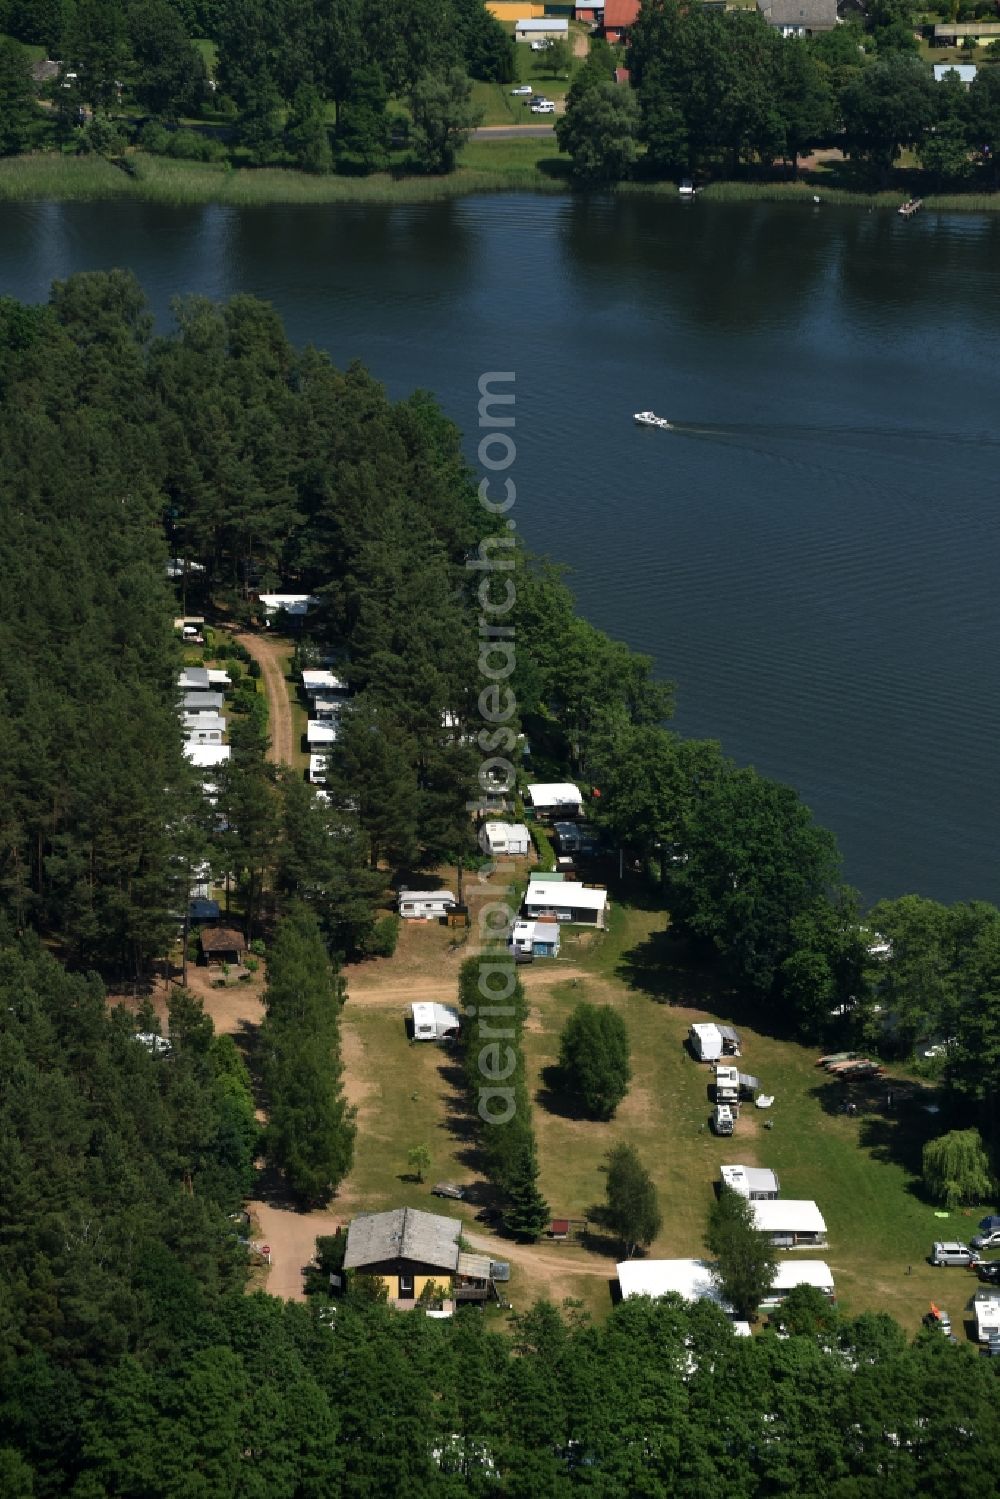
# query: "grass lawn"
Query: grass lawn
{"points": [[862, 1171], [36, 53], [209, 53]]}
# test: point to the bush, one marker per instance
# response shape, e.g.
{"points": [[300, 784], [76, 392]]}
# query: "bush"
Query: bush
{"points": [[381, 940], [258, 947], [253, 668], [543, 843], [252, 965], [188, 145], [154, 138]]}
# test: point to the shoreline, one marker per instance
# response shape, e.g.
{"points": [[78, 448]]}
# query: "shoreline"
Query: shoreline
{"points": [[501, 166]]}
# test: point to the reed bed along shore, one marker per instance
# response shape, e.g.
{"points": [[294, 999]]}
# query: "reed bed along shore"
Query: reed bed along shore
{"points": [[486, 166]]}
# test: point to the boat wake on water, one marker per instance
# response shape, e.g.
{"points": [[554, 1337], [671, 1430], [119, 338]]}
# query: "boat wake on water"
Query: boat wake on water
{"points": [[741, 432]]}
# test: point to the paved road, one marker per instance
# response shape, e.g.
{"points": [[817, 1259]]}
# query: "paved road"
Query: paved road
{"points": [[513, 132], [271, 656]]}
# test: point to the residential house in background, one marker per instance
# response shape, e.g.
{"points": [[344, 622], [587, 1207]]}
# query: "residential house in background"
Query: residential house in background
{"points": [[538, 28], [965, 72], [619, 17], [954, 33], [799, 17]]}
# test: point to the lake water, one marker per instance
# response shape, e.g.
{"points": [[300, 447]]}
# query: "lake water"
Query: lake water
{"points": [[812, 556]]}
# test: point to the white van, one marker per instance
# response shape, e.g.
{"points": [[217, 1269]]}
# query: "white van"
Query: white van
{"points": [[722, 1119], [546, 107]]}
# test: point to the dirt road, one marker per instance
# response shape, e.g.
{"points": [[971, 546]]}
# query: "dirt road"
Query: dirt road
{"points": [[271, 655], [376, 993]]}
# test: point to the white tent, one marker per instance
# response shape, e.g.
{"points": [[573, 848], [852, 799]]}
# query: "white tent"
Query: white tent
{"points": [[691, 1279]]}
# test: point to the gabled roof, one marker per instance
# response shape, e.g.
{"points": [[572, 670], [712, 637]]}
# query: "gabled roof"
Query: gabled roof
{"points": [[619, 13], [403, 1234], [810, 14], [222, 939]]}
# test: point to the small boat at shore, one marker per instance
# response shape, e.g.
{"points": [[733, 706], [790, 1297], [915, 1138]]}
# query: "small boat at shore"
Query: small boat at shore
{"points": [[650, 419]]}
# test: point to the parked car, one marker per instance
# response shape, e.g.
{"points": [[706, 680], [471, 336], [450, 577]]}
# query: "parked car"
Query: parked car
{"points": [[522, 88], [548, 108], [951, 1252], [542, 44], [989, 1271], [447, 1189], [986, 1241], [988, 1224]]}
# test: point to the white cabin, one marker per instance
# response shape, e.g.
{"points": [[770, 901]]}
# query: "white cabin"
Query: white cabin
{"points": [[510, 838], [203, 728], [566, 900]]}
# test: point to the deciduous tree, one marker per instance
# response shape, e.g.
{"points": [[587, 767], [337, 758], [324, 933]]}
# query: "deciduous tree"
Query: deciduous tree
{"points": [[594, 1063], [632, 1210], [746, 1258]]}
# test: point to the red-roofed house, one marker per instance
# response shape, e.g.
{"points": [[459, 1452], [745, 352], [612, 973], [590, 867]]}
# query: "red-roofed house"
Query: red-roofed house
{"points": [[619, 15]]}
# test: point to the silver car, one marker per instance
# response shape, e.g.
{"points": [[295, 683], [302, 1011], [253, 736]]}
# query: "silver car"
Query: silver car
{"points": [[951, 1252]]}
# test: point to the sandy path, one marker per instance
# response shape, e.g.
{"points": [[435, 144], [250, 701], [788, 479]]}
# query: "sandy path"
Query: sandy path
{"points": [[376, 994], [291, 1238], [271, 656], [581, 44]]}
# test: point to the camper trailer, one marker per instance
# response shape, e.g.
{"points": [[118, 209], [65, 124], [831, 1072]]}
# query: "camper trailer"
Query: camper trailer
{"points": [[722, 1119], [434, 1022], [727, 1084], [425, 905], [706, 1042]]}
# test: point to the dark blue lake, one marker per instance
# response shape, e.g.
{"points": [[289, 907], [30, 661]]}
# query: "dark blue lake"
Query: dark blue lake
{"points": [[812, 556]]}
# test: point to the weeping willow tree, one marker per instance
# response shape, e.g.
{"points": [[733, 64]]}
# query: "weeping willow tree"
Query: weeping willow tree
{"points": [[957, 1169]]}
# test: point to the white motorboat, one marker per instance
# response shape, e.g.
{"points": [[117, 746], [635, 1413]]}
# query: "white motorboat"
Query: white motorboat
{"points": [[650, 419]]}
